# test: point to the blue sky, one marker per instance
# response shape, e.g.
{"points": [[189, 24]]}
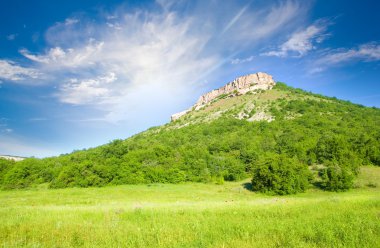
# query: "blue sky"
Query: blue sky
{"points": [[77, 74]]}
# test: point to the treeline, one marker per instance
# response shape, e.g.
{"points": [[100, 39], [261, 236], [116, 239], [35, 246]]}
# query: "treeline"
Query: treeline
{"points": [[320, 141]]}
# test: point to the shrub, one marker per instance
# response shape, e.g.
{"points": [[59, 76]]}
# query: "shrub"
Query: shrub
{"points": [[5, 165], [337, 178], [24, 174], [279, 174]]}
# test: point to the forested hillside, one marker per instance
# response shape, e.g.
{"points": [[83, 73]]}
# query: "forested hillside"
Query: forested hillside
{"points": [[285, 139]]}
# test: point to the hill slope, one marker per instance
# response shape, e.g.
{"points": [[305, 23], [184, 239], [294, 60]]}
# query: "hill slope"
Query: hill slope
{"points": [[283, 136]]}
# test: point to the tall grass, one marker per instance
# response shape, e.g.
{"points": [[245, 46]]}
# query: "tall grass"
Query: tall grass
{"points": [[189, 215]]}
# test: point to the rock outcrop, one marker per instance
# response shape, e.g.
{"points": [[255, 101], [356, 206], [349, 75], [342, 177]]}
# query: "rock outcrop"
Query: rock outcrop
{"points": [[240, 85], [15, 158]]}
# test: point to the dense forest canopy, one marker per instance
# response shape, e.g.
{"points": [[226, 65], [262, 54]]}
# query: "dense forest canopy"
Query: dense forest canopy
{"points": [[312, 140]]}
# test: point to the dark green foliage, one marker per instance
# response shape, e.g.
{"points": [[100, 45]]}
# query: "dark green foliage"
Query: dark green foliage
{"points": [[280, 174], [309, 130], [25, 173], [336, 177], [222, 96], [282, 86], [5, 165], [252, 113]]}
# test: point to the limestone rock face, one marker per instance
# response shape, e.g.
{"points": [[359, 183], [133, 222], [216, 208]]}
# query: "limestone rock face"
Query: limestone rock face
{"points": [[15, 158], [240, 85], [178, 115]]}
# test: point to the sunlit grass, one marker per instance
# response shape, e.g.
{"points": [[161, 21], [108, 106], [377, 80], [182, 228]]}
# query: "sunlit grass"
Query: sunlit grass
{"points": [[190, 215]]}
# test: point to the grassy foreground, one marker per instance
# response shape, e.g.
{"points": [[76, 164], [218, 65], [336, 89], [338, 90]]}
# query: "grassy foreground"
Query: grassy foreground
{"points": [[191, 215]]}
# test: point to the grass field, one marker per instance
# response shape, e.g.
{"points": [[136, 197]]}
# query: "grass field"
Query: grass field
{"points": [[191, 215]]}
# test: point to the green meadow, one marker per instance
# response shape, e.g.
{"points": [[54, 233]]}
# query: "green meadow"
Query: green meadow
{"points": [[191, 215]]}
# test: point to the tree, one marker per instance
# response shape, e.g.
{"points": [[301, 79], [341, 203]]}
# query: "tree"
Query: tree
{"points": [[337, 177], [279, 174]]}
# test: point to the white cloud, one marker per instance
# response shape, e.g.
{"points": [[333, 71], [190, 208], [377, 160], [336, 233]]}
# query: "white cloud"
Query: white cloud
{"points": [[111, 17], [168, 5], [152, 61], [367, 52], [268, 23], [301, 42], [250, 25], [235, 18], [11, 71], [114, 25], [87, 91], [243, 60], [70, 21], [57, 57], [79, 32]]}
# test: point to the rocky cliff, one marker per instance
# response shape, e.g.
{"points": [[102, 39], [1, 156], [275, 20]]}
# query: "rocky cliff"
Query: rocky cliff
{"points": [[15, 158], [239, 86]]}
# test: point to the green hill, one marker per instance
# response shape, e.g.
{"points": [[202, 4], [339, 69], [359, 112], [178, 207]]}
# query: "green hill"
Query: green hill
{"points": [[286, 139]]}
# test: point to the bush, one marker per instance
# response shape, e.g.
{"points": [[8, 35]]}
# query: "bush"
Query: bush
{"points": [[279, 174], [5, 165], [337, 178], [24, 174]]}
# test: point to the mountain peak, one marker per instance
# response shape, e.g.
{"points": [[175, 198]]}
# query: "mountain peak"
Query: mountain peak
{"points": [[239, 86]]}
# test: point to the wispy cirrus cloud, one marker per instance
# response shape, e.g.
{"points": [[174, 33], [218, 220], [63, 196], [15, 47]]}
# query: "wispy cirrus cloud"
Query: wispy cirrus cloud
{"points": [[235, 18], [9, 70], [367, 52], [302, 42], [120, 65], [70, 21], [252, 26], [71, 57], [242, 60], [86, 91]]}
